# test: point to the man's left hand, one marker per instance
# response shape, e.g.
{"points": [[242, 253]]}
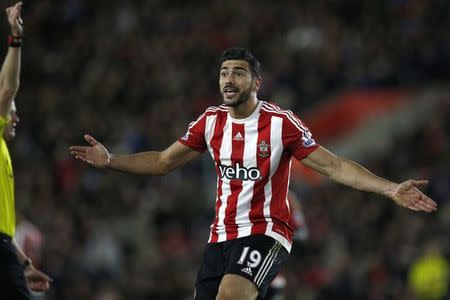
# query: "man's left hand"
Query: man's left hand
{"points": [[408, 195]]}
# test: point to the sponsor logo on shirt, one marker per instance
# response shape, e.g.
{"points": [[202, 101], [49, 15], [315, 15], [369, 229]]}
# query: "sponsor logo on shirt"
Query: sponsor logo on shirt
{"points": [[239, 172]]}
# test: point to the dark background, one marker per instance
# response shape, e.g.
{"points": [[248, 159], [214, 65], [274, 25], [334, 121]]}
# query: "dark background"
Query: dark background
{"points": [[135, 73]]}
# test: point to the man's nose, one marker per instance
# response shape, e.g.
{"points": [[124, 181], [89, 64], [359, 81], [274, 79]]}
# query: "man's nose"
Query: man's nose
{"points": [[230, 78]]}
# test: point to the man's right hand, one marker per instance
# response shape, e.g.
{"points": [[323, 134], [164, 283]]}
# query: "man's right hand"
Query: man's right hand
{"points": [[96, 155], [15, 20]]}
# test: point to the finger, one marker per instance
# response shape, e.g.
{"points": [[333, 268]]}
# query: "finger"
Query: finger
{"points": [[405, 186], [40, 286], [426, 204], [19, 6], [90, 140], [45, 286], [419, 183], [424, 198], [8, 13], [45, 277], [427, 210], [80, 153], [19, 12], [412, 207], [14, 11], [428, 199], [420, 202], [79, 149], [416, 206], [426, 207], [85, 160], [429, 205], [423, 207], [34, 286], [38, 276], [16, 7]]}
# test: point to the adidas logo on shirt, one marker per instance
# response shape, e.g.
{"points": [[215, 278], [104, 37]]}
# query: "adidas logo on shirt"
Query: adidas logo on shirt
{"points": [[247, 270], [238, 137]]}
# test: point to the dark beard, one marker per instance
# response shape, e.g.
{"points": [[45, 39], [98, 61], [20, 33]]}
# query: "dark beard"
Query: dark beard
{"points": [[242, 99]]}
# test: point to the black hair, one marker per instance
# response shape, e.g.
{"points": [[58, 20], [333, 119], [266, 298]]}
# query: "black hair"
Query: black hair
{"points": [[237, 53]]}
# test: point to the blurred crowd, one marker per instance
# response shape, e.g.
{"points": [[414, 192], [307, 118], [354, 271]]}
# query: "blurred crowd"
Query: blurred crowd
{"points": [[361, 246], [135, 73]]}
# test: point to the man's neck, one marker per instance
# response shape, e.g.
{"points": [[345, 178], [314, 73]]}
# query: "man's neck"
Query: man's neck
{"points": [[245, 109]]}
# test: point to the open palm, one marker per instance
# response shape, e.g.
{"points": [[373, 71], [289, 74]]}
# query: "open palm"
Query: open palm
{"points": [[408, 195], [95, 155]]}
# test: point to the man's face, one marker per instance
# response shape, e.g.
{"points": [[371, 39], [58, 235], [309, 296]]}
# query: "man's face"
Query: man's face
{"points": [[236, 82], [10, 130]]}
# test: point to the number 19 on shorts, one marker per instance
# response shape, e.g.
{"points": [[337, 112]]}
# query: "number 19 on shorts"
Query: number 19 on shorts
{"points": [[253, 259]]}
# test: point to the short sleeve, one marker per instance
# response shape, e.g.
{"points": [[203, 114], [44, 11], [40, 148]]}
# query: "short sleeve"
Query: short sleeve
{"points": [[297, 138], [195, 135]]}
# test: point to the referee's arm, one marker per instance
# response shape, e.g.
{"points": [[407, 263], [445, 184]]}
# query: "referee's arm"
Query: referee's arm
{"points": [[10, 72], [20, 254]]}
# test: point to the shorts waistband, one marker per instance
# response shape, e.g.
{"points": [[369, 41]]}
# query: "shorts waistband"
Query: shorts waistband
{"points": [[4, 237]]}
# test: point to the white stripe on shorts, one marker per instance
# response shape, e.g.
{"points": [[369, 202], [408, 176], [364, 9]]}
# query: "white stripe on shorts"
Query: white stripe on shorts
{"points": [[267, 263]]}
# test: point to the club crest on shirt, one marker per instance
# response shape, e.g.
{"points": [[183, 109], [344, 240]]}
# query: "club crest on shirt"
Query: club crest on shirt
{"points": [[263, 149]]}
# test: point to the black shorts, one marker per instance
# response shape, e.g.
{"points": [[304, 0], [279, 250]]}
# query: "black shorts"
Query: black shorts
{"points": [[12, 279], [257, 258]]}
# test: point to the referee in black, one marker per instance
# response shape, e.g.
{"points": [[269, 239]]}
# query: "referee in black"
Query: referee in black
{"points": [[17, 273]]}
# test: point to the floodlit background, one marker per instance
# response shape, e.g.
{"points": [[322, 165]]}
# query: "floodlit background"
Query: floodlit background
{"points": [[370, 78]]}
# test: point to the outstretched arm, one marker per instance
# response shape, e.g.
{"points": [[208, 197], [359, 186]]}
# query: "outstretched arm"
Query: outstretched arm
{"points": [[348, 172], [10, 72], [149, 163]]}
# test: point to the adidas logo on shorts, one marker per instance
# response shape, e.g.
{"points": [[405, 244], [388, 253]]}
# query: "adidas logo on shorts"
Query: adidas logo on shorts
{"points": [[247, 270]]}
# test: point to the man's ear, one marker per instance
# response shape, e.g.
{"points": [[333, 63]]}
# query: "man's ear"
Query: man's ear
{"points": [[256, 84]]}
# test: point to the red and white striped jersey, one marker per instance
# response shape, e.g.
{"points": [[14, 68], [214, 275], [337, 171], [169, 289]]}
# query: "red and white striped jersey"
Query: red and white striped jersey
{"points": [[253, 161]]}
